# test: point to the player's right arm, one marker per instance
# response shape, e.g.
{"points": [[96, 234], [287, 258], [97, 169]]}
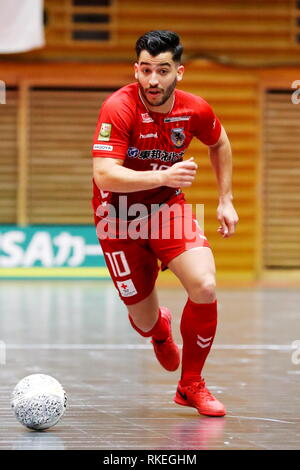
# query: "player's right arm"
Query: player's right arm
{"points": [[111, 142], [111, 175]]}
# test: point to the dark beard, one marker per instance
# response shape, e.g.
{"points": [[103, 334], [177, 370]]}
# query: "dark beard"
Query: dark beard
{"points": [[165, 97]]}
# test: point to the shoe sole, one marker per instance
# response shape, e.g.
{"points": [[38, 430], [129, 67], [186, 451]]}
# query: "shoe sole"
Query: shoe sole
{"points": [[182, 402]]}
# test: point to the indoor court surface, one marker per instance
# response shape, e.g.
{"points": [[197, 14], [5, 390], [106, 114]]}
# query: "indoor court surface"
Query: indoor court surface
{"points": [[88, 86], [120, 397]]}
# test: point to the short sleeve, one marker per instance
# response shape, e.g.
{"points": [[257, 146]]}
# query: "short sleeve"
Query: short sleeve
{"points": [[208, 126], [112, 133]]}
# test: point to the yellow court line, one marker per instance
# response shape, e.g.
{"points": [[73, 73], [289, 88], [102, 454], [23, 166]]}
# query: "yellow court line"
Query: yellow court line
{"points": [[101, 272], [39, 272]]}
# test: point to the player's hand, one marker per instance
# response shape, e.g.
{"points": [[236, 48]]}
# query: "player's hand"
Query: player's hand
{"points": [[180, 174], [228, 218]]}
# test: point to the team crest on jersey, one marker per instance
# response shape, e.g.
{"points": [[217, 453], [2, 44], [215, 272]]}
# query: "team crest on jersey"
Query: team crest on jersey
{"points": [[178, 136], [105, 131]]}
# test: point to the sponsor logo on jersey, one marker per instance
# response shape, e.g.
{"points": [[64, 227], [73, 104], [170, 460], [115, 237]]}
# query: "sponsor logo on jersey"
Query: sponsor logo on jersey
{"points": [[146, 118], [126, 288], [177, 118], [178, 136], [108, 148], [154, 154], [133, 152], [105, 131], [148, 136]]}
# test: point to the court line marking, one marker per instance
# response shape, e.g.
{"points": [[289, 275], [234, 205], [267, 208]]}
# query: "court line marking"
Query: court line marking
{"points": [[262, 419], [126, 346]]}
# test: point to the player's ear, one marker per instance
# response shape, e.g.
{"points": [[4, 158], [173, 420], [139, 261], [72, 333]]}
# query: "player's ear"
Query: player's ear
{"points": [[180, 72], [136, 68]]}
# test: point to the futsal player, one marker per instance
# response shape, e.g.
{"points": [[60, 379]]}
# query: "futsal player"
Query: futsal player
{"points": [[142, 133]]}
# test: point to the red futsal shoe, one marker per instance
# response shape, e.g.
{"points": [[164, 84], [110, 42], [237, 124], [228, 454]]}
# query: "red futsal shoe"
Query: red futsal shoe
{"points": [[196, 395], [167, 351]]}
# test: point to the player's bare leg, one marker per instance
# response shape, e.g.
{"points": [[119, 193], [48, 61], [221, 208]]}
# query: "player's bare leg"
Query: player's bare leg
{"points": [[145, 313], [148, 319], [196, 271]]}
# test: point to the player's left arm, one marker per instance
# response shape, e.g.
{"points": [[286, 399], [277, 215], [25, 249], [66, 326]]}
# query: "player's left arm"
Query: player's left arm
{"points": [[221, 159]]}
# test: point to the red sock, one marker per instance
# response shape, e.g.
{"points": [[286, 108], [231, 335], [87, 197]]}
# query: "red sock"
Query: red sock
{"points": [[198, 328], [159, 332]]}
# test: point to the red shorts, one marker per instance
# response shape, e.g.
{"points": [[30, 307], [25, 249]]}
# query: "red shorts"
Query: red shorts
{"points": [[132, 249]]}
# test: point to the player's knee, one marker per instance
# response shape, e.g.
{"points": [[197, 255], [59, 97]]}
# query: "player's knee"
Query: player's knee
{"points": [[203, 290]]}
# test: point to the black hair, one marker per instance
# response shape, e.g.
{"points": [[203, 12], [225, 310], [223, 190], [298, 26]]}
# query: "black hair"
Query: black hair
{"points": [[159, 41]]}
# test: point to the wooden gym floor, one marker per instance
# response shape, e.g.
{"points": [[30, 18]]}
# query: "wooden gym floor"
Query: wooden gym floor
{"points": [[120, 397]]}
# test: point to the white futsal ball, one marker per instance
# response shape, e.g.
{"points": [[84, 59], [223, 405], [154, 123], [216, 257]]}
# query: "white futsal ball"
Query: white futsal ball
{"points": [[38, 401]]}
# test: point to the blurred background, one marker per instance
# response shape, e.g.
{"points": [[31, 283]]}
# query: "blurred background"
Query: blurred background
{"points": [[59, 59]]}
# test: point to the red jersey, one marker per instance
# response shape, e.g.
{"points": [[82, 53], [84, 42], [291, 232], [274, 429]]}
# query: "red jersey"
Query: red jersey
{"points": [[149, 140]]}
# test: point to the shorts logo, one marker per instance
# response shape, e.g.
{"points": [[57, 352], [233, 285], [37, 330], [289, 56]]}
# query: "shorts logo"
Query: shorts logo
{"points": [[178, 136], [126, 288], [105, 131], [108, 148]]}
